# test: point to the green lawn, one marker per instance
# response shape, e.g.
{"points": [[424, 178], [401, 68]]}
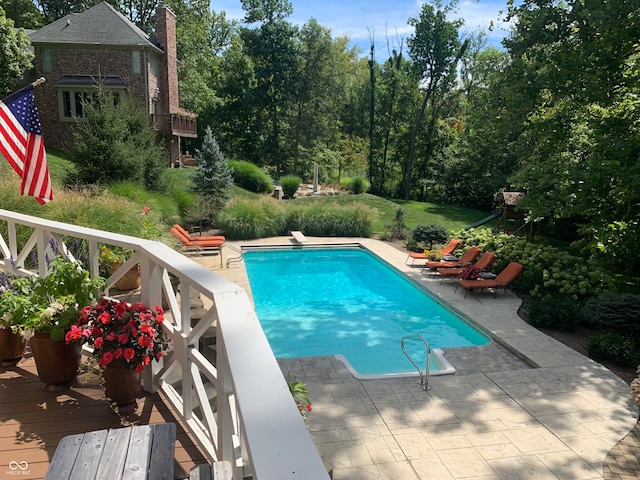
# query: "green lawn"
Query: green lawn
{"points": [[179, 182]]}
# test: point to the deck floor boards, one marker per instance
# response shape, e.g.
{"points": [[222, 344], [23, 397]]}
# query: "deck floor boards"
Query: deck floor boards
{"points": [[33, 421]]}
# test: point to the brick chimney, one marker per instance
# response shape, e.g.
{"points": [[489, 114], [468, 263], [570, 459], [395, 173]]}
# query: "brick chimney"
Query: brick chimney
{"points": [[166, 37]]}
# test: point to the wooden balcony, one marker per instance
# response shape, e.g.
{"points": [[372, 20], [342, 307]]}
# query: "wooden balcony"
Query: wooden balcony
{"points": [[175, 124], [34, 421]]}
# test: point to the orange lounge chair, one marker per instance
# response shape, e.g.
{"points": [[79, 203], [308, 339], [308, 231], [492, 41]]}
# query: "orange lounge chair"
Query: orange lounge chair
{"points": [[483, 264], [199, 244], [447, 250], [508, 275], [198, 237], [466, 259]]}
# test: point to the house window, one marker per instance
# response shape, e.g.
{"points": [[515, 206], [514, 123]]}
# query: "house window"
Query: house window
{"points": [[47, 60], [136, 64], [72, 102]]}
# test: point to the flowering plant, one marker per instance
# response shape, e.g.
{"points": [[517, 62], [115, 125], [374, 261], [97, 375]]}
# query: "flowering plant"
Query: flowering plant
{"points": [[47, 304], [300, 394], [635, 388], [470, 272], [128, 335], [433, 255]]}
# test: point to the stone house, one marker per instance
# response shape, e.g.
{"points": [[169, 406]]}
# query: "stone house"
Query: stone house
{"points": [[100, 46]]}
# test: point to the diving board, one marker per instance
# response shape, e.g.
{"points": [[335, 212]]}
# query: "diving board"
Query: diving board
{"points": [[298, 236]]}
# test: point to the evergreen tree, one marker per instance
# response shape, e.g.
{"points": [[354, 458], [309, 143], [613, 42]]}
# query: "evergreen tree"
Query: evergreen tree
{"points": [[115, 143], [213, 177]]}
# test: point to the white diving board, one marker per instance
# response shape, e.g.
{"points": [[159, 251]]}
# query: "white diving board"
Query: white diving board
{"points": [[299, 236]]}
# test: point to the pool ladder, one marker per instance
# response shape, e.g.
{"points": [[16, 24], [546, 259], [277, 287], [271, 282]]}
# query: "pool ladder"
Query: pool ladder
{"points": [[424, 376]]}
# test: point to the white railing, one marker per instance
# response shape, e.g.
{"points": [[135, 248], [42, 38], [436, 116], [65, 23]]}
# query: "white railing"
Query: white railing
{"points": [[240, 410]]}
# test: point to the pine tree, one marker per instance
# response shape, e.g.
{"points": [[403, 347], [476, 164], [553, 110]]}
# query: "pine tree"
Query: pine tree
{"points": [[213, 177]]}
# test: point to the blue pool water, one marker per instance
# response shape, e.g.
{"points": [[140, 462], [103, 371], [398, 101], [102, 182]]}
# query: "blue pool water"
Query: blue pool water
{"points": [[346, 301]]}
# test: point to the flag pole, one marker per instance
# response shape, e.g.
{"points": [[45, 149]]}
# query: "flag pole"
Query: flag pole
{"points": [[39, 81]]}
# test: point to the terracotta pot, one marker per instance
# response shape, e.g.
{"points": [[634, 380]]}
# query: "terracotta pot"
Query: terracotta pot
{"points": [[57, 362], [12, 347], [130, 280], [121, 387]]}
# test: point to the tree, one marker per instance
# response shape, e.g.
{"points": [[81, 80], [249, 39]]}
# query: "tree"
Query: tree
{"points": [[115, 143], [435, 50], [575, 76], [15, 56], [23, 13], [273, 51], [213, 177], [56, 9]]}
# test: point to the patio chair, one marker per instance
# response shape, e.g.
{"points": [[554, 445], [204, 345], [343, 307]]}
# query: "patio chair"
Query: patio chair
{"points": [[484, 263], [503, 280], [198, 238], [447, 250], [199, 244], [466, 259]]}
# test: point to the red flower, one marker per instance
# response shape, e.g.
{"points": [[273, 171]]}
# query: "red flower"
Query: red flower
{"points": [[308, 407], [129, 335], [106, 359]]}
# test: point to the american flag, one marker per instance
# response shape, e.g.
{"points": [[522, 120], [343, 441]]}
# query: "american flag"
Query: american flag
{"points": [[22, 145]]}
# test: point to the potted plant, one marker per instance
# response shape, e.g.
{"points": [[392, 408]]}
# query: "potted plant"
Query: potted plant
{"points": [[300, 395], [14, 303], [125, 339], [48, 307], [470, 272], [111, 259]]}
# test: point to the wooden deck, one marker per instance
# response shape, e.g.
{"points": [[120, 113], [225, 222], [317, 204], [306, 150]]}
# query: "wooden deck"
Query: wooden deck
{"points": [[33, 421]]}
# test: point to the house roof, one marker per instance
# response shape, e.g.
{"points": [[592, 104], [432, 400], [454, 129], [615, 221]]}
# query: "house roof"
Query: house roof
{"points": [[99, 25]]}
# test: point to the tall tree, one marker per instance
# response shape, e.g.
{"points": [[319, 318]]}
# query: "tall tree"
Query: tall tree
{"points": [[575, 74], [15, 56], [274, 53], [435, 51], [56, 9]]}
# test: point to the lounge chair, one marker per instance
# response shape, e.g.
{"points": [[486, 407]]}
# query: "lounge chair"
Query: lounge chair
{"points": [[198, 237], [199, 244], [466, 259], [447, 250], [484, 263], [504, 278]]}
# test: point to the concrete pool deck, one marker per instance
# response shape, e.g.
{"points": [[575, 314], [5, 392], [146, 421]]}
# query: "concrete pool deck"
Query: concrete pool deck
{"points": [[526, 407]]}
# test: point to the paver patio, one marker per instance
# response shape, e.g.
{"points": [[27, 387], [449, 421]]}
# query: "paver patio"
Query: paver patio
{"points": [[524, 407]]}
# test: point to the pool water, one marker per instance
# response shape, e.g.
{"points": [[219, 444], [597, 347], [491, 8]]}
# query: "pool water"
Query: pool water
{"points": [[345, 301]]}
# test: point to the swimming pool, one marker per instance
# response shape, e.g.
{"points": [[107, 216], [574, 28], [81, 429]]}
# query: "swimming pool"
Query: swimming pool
{"points": [[347, 302]]}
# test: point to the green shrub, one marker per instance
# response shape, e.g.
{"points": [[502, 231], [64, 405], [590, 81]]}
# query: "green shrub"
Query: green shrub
{"points": [[547, 270], [249, 176], [430, 233], [290, 185], [359, 185], [550, 311], [244, 219], [613, 312], [614, 347]]}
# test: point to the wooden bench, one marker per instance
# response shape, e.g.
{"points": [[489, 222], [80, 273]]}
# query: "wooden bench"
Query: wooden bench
{"points": [[139, 452], [298, 236]]}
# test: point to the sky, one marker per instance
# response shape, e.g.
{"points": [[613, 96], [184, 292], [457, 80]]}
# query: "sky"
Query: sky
{"points": [[386, 20]]}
